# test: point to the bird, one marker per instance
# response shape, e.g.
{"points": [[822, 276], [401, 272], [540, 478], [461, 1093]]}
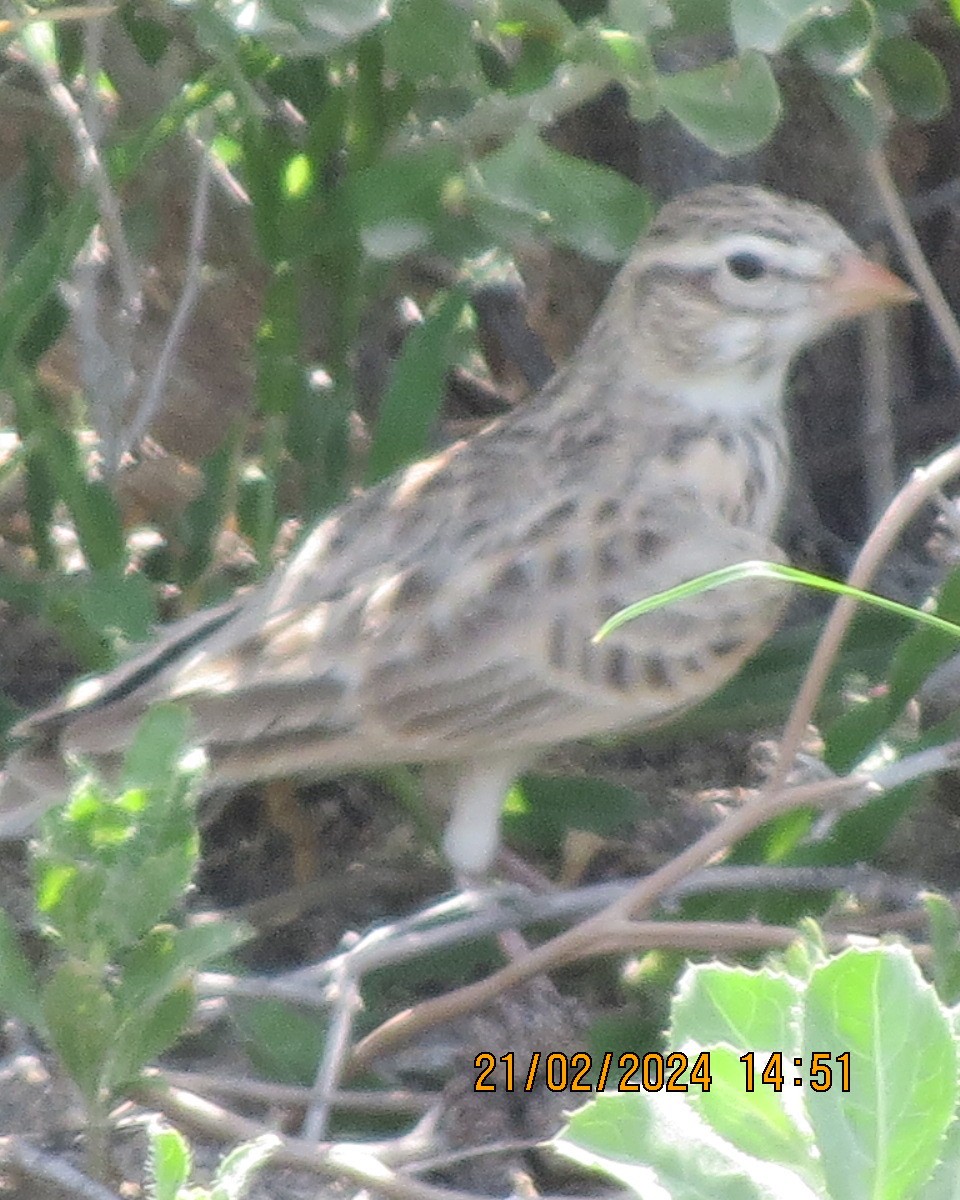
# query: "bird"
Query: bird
{"points": [[446, 616]]}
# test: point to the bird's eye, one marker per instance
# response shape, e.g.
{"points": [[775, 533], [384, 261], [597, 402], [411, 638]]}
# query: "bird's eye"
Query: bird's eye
{"points": [[746, 266]]}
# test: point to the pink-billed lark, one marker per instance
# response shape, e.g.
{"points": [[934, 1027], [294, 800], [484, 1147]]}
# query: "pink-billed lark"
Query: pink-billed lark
{"points": [[446, 616]]}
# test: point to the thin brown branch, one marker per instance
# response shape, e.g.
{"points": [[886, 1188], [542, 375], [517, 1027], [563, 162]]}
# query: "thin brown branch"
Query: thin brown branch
{"points": [[919, 490], [909, 246], [355, 1162], [598, 934], [34, 1164]]}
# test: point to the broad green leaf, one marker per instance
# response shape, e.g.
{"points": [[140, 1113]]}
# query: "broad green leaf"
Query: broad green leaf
{"points": [[157, 746], [749, 1010], [396, 204], [755, 1121], [82, 1021], [640, 20], [146, 1034], [855, 103], [140, 891], [698, 17], [915, 79], [417, 389], [882, 1138], [282, 1042], [732, 107], [657, 1145], [430, 39], [120, 604], [769, 25], [166, 957], [69, 897], [545, 19], [527, 188], [541, 809], [841, 45], [150, 36], [630, 60]]}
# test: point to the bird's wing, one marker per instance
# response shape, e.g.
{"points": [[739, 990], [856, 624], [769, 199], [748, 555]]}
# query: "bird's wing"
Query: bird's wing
{"points": [[449, 609], [497, 653]]}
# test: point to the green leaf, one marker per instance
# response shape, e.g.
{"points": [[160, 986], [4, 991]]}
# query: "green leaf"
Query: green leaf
{"points": [[396, 205], [944, 1184], [153, 757], [751, 1010], [169, 1162], [417, 389], [119, 604], [80, 1015], [841, 45], [69, 896], [945, 945], [854, 102], [883, 1136], [756, 1122], [698, 17], [140, 891], [166, 957], [430, 39], [151, 37], [91, 504], [732, 107], [916, 81], [769, 25], [147, 1034], [545, 19], [639, 20], [527, 189], [234, 1173], [541, 809], [303, 27], [283, 1042], [629, 59], [204, 519], [18, 989], [923, 649], [656, 1145]]}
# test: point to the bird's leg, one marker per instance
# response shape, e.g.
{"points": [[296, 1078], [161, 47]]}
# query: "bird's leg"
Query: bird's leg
{"points": [[478, 789], [285, 813]]}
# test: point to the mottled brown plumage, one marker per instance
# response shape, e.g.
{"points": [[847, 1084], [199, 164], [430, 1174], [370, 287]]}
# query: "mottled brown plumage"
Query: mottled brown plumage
{"points": [[446, 616]]}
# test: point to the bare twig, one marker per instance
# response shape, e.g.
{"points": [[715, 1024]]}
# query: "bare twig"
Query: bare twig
{"points": [[355, 1162], [152, 399], [94, 171], [879, 442], [920, 489], [26, 1159], [346, 1004], [397, 1100], [592, 936], [923, 277], [617, 928]]}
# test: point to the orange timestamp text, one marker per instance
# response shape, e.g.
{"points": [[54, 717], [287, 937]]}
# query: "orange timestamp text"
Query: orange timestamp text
{"points": [[652, 1072]]}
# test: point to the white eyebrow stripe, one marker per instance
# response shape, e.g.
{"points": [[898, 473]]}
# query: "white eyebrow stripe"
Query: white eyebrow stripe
{"points": [[799, 261]]}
